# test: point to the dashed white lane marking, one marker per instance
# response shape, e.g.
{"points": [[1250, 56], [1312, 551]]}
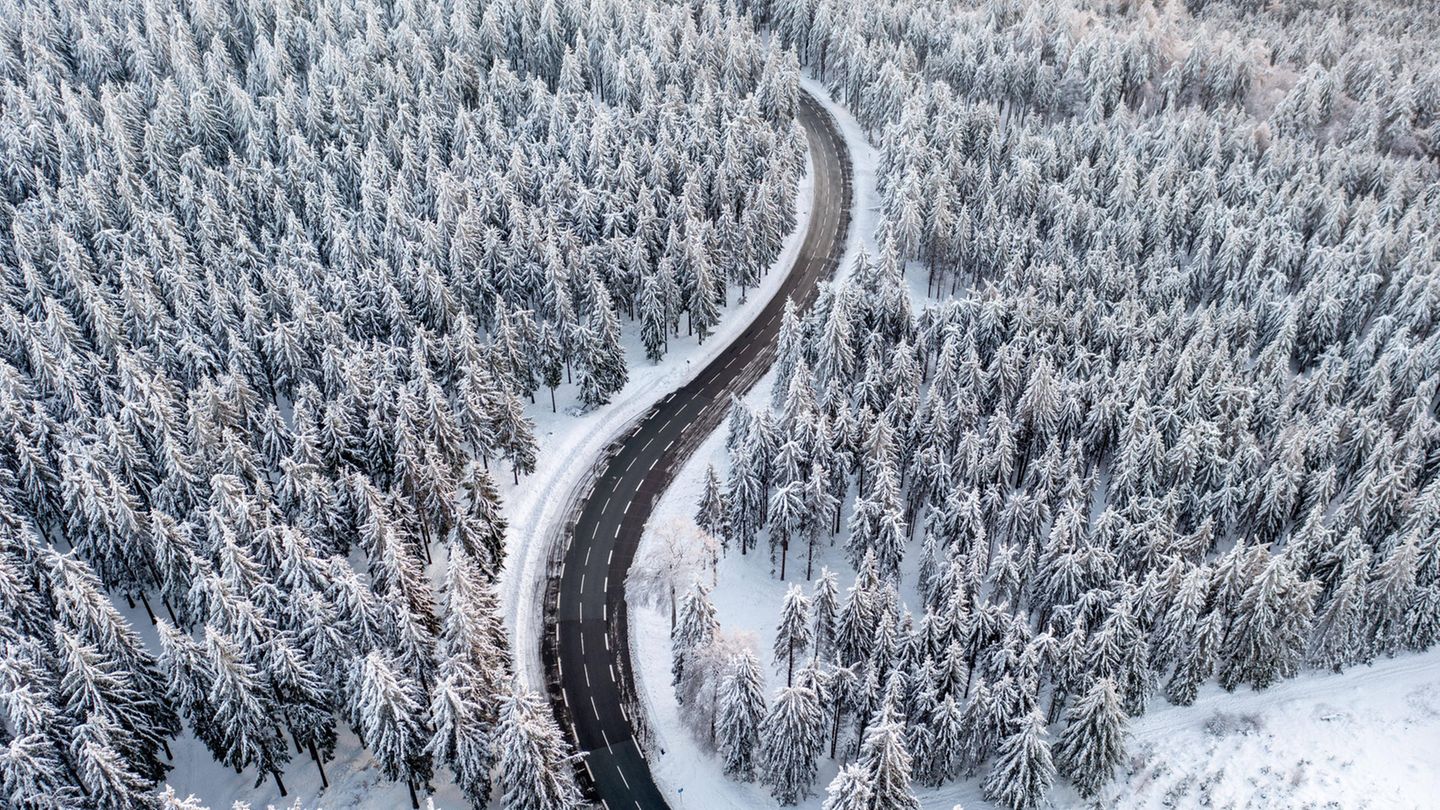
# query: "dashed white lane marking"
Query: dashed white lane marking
{"points": [[607, 504], [587, 676], [587, 561], [596, 710], [582, 583], [621, 771], [627, 507], [609, 557]]}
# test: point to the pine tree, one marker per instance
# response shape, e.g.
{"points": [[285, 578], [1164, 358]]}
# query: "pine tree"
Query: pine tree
{"points": [[1093, 741], [1389, 594], [849, 790], [887, 763], [793, 634], [791, 738], [390, 711], [654, 319], [1266, 640], [1023, 770], [535, 772], [107, 779], [460, 737], [515, 432], [241, 711], [947, 739], [33, 775], [696, 628], [742, 708], [825, 602], [1338, 637], [711, 513]]}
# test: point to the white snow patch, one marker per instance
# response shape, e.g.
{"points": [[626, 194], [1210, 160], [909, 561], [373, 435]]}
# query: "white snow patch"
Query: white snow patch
{"points": [[1367, 738]]}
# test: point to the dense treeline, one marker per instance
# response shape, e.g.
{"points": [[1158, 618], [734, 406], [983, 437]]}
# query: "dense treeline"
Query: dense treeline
{"points": [[277, 280], [1172, 419]]}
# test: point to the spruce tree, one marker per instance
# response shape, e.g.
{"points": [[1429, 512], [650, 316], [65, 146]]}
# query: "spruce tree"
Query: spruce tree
{"points": [[1023, 770], [535, 771], [791, 737], [1093, 741], [742, 708]]}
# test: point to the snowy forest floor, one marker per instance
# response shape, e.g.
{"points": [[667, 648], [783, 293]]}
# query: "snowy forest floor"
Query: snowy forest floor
{"points": [[1364, 739]]}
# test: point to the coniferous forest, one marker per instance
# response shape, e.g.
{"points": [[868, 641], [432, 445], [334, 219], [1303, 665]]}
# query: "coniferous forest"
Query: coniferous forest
{"points": [[282, 285], [1135, 391]]}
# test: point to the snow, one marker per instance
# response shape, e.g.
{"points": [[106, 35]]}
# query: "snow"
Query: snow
{"points": [[1362, 739], [1366, 738]]}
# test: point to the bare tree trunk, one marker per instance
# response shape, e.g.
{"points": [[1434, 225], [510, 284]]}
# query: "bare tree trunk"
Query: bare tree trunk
{"points": [[319, 766]]}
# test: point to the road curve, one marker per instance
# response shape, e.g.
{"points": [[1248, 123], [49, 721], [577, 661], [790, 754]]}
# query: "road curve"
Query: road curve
{"points": [[586, 651]]}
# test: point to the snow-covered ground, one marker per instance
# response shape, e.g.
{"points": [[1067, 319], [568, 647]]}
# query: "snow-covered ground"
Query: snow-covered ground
{"points": [[1369, 738], [1364, 739]]}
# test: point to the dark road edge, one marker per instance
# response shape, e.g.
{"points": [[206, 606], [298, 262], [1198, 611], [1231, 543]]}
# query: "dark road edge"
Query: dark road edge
{"points": [[611, 737]]}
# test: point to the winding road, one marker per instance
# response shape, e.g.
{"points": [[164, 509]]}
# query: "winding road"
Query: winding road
{"points": [[587, 654]]}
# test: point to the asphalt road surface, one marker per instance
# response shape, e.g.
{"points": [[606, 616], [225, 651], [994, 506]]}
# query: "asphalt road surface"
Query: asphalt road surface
{"points": [[588, 611]]}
